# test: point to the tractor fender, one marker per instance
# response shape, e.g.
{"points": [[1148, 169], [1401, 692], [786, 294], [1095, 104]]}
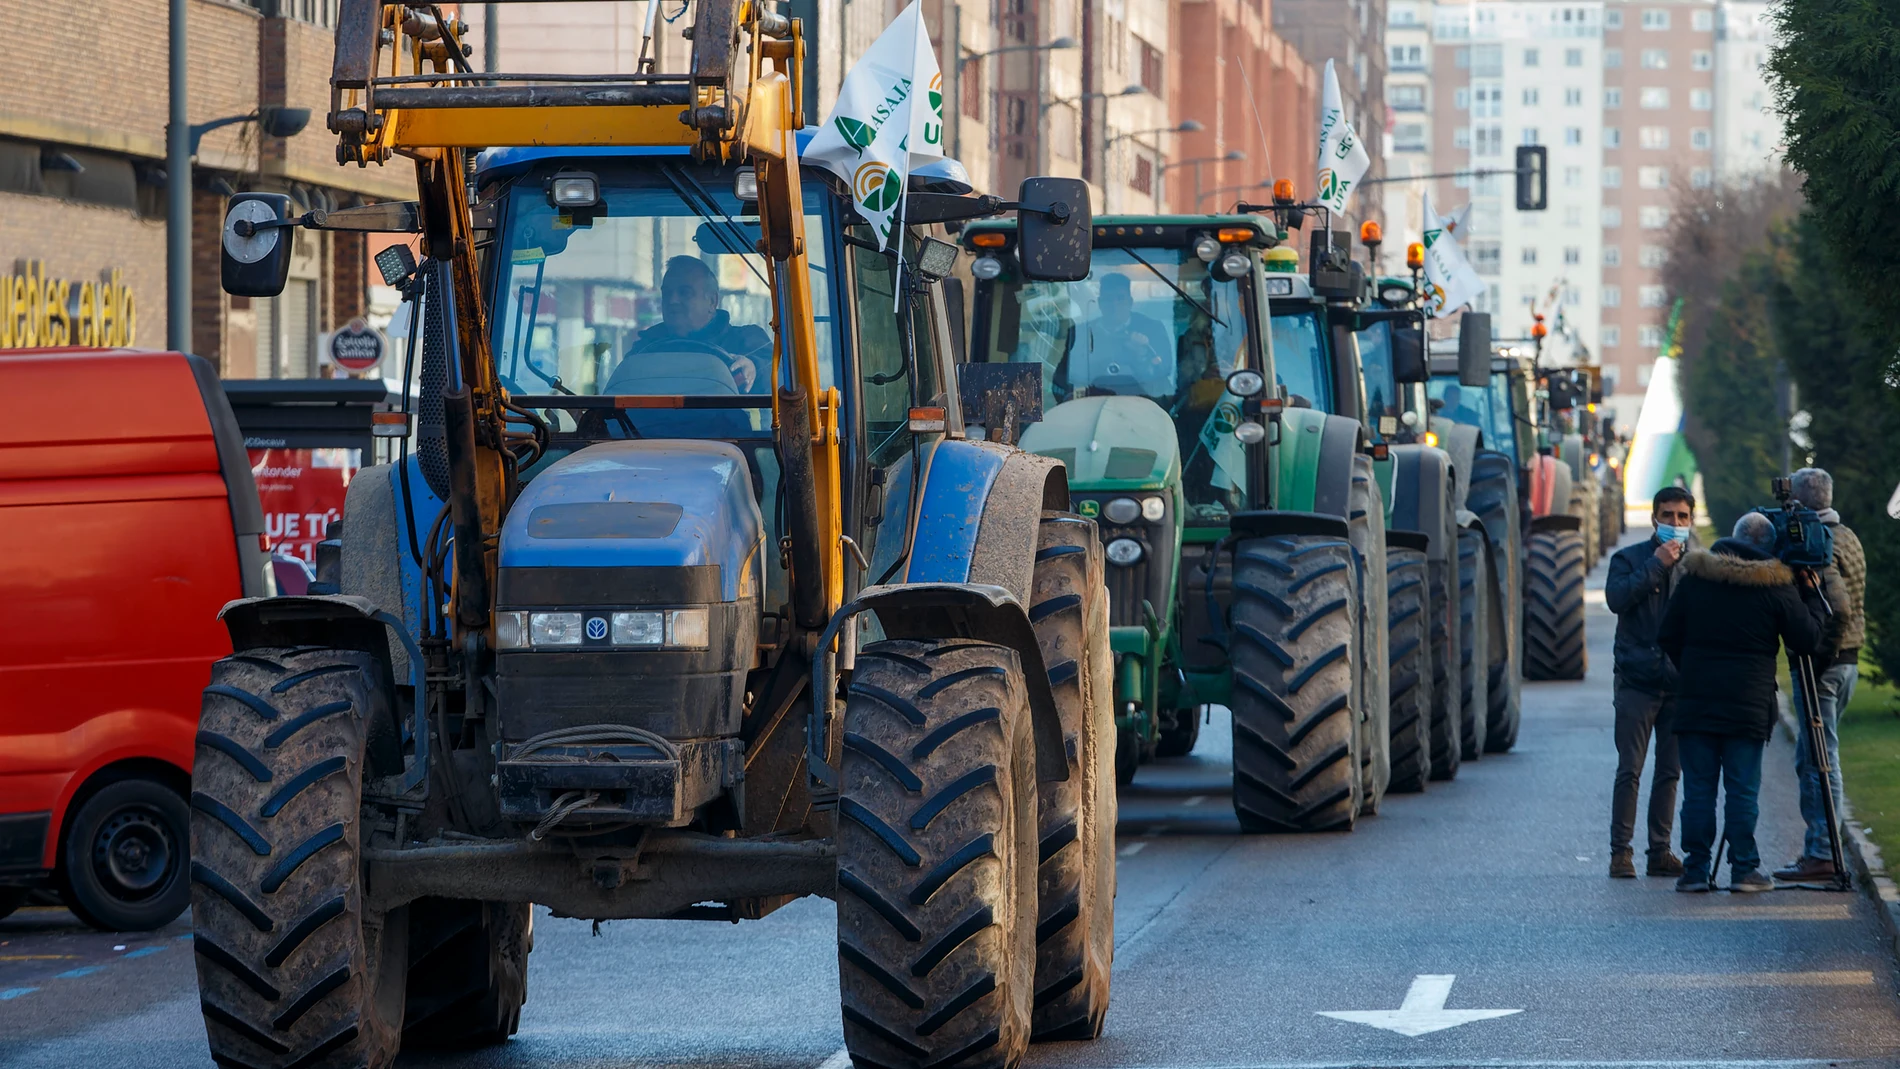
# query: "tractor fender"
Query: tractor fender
{"points": [[1461, 443], [984, 611], [1264, 524], [1419, 475], [1314, 462], [1550, 486], [981, 508], [1557, 521]]}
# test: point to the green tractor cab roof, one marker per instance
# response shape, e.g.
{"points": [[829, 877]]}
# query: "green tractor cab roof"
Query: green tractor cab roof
{"points": [[1141, 231]]}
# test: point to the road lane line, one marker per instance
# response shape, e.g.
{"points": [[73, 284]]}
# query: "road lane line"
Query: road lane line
{"points": [[1840, 912], [142, 951], [1819, 978], [1196, 800], [840, 1059], [74, 974], [1133, 848], [16, 992], [38, 957]]}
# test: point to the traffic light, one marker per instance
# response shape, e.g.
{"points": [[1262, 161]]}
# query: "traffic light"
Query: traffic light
{"points": [[1533, 173]]}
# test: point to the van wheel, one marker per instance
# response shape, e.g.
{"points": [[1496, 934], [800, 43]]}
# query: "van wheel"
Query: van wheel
{"points": [[123, 861]]}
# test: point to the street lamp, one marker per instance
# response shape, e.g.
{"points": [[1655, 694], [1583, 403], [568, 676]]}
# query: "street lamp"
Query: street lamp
{"points": [[1264, 183], [1056, 45], [1127, 91], [1186, 126], [181, 147], [1232, 157], [955, 146]]}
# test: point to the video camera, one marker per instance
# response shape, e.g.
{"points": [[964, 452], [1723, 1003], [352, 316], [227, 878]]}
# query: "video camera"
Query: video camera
{"points": [[1801, 539]]}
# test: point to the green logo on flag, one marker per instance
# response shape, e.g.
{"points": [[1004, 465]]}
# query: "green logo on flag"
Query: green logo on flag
{"points": [[856, 134]]}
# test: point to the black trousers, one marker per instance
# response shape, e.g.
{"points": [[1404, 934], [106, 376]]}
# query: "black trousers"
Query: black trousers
{"points": [[1640, 715]]}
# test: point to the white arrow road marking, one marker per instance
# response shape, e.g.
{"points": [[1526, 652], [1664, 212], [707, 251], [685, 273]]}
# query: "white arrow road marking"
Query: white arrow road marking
{"points": [[1423, 1011], [840, 1059]]}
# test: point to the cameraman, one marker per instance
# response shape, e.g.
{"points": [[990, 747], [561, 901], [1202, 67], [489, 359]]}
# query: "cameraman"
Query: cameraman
{"points": [[1735, 605], [1836, 674], [1641, 578]]}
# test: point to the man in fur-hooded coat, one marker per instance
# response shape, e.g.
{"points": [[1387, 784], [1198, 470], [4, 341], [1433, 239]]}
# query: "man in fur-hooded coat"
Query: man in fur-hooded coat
{"points": [[1732, 611]]}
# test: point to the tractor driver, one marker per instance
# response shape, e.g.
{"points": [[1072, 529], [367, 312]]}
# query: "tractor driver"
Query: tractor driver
{"points": [[689, 311], [1456, 410], [1121, 348]]}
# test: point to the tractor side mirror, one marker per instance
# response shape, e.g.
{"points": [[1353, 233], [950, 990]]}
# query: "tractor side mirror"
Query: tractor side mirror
{"points": [[254, 260], [1054, 229], [1474, 350], [1408, 354]]}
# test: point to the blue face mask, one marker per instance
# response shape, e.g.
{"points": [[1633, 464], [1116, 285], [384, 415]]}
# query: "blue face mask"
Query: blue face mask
{"points": [[1667, 533]]}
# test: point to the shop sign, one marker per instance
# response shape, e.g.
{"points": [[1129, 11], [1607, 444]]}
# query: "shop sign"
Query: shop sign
{"points": [[358, 346], [38, 311]]}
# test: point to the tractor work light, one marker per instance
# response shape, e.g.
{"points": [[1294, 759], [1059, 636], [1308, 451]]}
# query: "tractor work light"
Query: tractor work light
{"points": [[1279, 287], [396, 264], [1234, 265], [1122, 510], [1124, 552], [573, 189], [1207, 248], [1396, 293], [936, 260], [639, 628], [986, 267], [745, 184], [1249, 433], [511, 630], [688, 629], [1246, 383], [554, 628]]}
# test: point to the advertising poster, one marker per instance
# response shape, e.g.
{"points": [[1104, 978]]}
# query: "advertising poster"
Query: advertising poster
{"points": [[302, 490]]}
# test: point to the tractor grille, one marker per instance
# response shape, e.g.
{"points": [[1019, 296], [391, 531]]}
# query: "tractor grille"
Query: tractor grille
{"points": [[1126, 587]]}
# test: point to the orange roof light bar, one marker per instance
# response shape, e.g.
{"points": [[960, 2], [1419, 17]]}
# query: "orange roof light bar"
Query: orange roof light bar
{"points": [[1415, 255], [1229, 234], [1283, 189], [1370, 233]]}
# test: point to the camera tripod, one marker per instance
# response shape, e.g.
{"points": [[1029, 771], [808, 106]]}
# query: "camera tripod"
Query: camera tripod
{"points": [[1807, 679]]}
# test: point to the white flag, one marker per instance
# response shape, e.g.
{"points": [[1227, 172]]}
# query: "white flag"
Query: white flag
{"points": [[1217, 437], [1342, 159], [889, 117], [1450, 283], [1455, 222]]}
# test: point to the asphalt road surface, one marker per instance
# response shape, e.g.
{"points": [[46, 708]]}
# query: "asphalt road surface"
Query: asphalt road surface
{"points": [[1486, 894]]}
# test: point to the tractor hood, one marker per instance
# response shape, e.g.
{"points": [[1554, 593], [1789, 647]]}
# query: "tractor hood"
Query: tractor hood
{"points": [[1109, 443], [649, 504]]}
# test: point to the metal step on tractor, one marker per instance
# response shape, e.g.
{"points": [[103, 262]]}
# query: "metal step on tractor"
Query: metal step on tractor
{"points": [[688, 598]]}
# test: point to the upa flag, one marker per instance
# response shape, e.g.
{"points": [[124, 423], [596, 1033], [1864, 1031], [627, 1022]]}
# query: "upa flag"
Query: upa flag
{"points": [[1217, 437], [1342, 159], [1450, 283], [889, 117]]}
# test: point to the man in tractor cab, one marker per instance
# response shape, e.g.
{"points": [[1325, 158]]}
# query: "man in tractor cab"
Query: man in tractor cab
{"points": [[1121, 351], [1456, 410], [689, 311]]}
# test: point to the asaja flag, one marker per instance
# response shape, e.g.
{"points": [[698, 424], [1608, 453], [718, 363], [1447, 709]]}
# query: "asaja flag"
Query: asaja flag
{"points": [[1342, 159], [1217, 437], [1455, 222], [889, 117], [1450, 282]]}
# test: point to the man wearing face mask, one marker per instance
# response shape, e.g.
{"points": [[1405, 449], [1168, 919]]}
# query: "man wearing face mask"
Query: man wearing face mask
{"points": [[1641, 579]]}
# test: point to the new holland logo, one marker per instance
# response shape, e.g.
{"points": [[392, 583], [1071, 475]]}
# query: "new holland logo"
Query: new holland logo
{"points": [[596, 628]]}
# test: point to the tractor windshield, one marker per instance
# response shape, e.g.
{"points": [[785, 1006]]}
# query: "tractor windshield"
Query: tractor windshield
{"points": [[657, 290], [1300, 359], [1383, 403], [1488, 409]]}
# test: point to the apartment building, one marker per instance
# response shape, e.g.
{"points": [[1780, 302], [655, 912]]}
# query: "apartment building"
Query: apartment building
{"points": [[1525, 73], [1255, 98], [1407, 137], [1748, 132]]}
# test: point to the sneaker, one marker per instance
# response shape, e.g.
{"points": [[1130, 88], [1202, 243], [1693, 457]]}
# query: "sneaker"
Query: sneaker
{"points": [[1664, 863], [1750, 882], [1694, 883], [1806, 869], [1622, 864]]}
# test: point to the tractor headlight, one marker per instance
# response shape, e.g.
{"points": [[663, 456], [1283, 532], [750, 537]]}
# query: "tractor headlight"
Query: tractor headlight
{"points": [[986, 267], [1207, 248], [1122, 510], [511, 630], [1153, 508], [554, 628], [639, 628], [1124, 551], [1249, 432], [689, 628]]}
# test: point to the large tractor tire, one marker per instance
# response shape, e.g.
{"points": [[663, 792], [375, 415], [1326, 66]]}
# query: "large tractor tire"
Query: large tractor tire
{"points": [[1075, 885], [937, 858], [1366, 524], [292, 969], [1296, 730], [1475, 631], [1448, 673], [1553, 607], [468, 972], [1409, 627]]}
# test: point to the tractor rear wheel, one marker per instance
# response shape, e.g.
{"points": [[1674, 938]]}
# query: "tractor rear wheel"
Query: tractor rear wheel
{"points": [[1075, 912], [937, 857], [1447, 674], [468, 971], [1366, 525], [1296, 730], [1553, 607], [1409, 626], [292, 968], [1475, 626]]}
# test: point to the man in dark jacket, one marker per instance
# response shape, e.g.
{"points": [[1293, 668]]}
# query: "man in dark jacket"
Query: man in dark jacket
{"points": [[689, 311], [1734, 607], [1641, 577]]}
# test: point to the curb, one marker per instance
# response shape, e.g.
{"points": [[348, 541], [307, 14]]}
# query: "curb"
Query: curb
{"points": [[1862, 856]]}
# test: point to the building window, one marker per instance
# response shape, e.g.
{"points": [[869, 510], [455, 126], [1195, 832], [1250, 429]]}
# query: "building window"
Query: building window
{"points": [[1154, 69], [1701, 99], [1407, 57], [1609, 380], [1409, 137], [1573, 98], [1700, 138], [1490, 141], [1703, 21], [1612, 57], [1530, 135], [1530, 57], [1573, 57], [1701, 178], [1143, 181], [1652, 217], [1649, 338], [1652, 255], [1655, 98], [1612, 19], [1612, 255], [1573, 135], [1612, 296], [1656, 137], [970, 91], [1461, 58], [1612, 137], [1652, 177], [1613, 178], [1573, 254], [1655, 18], [1612, 218], [1528, 256], [1461, 98], [1573, 178], [1573, 215], [1405, 97], [1485, 257], [1655, 59], [1490, 100], [1651, 296], [1611, 336], [1701, 59], [1461, 137], [1530, 98], [1613, 98]]}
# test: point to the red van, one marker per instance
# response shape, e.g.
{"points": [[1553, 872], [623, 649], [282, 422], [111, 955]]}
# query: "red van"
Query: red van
{"points": [[128, 518]]}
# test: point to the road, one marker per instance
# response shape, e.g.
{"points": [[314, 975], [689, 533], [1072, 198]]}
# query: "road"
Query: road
{"points": [[1229, 949]]}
